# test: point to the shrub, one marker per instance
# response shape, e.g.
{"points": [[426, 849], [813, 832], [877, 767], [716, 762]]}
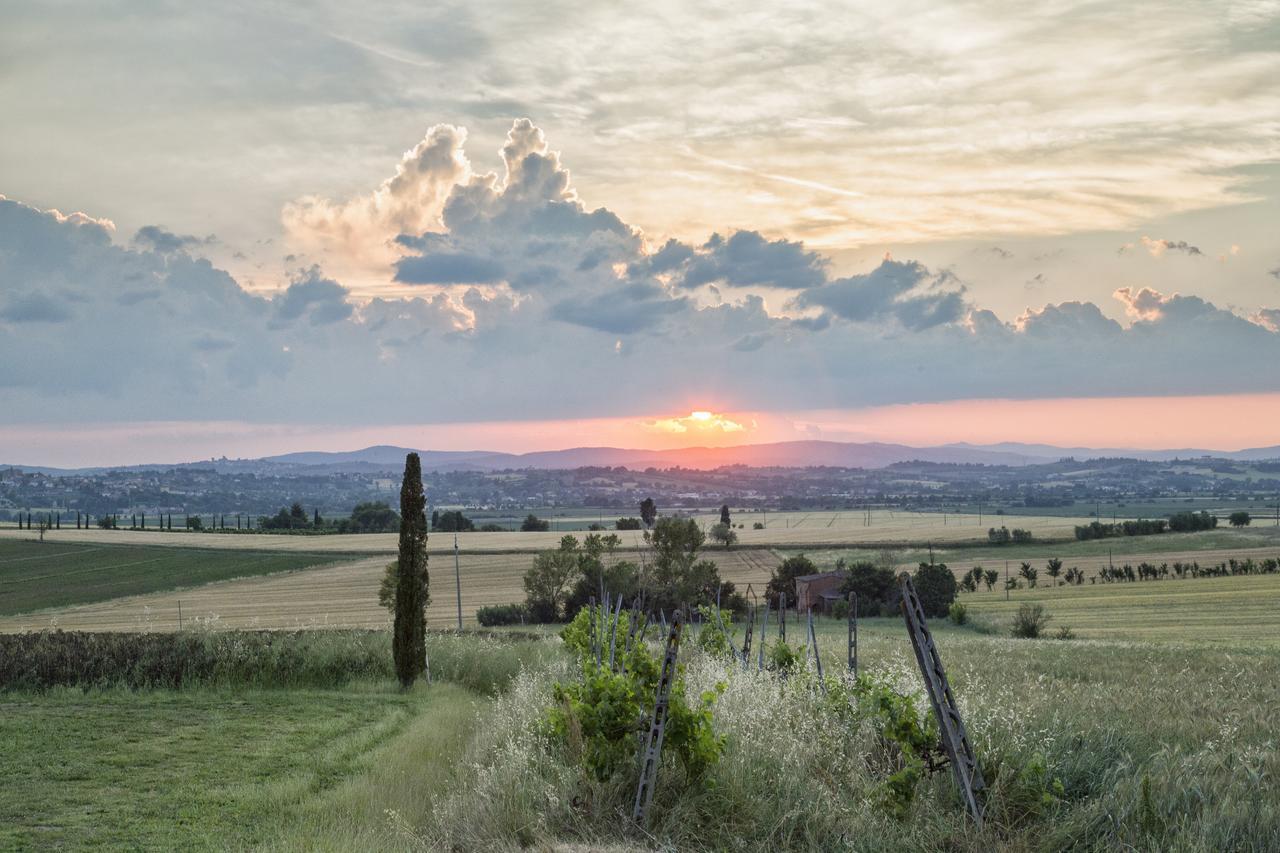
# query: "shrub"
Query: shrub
{"points": [[873, 583], [501, 614], [533, 524], [1065, 633], [757, 526], [492, 528], [1030, 621], [1239, 519], [958, 613], [840, 608], [627, 524]]}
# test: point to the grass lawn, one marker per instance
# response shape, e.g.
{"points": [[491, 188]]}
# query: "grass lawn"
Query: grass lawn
{"points": [[35, 575], [217, 769]]}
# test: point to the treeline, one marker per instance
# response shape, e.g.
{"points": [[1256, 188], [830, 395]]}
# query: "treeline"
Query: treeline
{"points": [[369, 517], [1179, 522]]}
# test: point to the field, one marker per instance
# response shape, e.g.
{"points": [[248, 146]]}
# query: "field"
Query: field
{"points": [[1142, 745], [344, 594], [342, 590], [36, 575], [825, 529]]}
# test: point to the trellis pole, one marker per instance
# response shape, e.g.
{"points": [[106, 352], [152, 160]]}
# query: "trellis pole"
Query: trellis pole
{"points": [[651, 755], [782, 616], [964, 765], [613, 632], [817, 658], [764, 634], [853, 633]]}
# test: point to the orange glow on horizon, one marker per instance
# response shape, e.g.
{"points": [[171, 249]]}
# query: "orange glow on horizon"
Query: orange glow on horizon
{"points": [[1221, 422]]}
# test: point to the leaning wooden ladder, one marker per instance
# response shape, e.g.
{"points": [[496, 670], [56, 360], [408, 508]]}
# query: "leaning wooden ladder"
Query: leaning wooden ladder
{"points": [[964, 766], [651, 758]]}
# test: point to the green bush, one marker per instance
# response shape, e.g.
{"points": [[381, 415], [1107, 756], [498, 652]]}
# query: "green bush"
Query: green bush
{"points": [[1030, 621], [501, 614], [958, 613]]}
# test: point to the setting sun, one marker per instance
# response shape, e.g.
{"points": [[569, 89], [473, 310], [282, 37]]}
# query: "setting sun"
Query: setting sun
{"points": [[701, 422]]}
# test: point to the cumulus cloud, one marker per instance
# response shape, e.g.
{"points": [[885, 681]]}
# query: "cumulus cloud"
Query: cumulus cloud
{"points": [[320, 300], [520, 298], [34, 308], [410, 201], [1157, 248], [903, 290], [1268, 318], [157, 239]]}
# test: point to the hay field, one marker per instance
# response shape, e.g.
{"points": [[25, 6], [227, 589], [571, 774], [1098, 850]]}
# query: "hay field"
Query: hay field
{"points": [[1238, 611], [337, 596], [824, 529]]}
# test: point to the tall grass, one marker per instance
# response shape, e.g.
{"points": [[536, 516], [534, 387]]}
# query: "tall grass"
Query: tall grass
{"points": [[38, 661], [1083, 745]]}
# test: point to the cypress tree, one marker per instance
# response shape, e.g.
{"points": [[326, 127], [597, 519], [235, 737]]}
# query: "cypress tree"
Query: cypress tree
{"points": [[409, 641], [316, 523]]}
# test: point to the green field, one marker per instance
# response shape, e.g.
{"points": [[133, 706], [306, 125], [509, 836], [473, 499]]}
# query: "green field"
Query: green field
{"points": [[202, 768], [36, 575], [1155, 746]]}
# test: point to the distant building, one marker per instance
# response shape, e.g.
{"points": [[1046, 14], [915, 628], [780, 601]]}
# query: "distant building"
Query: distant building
{"points": [[818, 592]]}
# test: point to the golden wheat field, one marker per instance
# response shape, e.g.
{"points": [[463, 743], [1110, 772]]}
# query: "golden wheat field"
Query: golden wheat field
{"points": [[340, 596]]}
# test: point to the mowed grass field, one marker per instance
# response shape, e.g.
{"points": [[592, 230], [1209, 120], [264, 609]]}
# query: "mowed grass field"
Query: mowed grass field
{"points": [[36, 575], [210, 769]]}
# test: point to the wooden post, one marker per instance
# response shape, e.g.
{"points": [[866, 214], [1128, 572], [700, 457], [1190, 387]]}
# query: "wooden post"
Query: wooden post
{"points": [[591, 612], [764, 633], [651, 757], [964, 765], [817, 658], [782, 616], [853, 633], [613, 632]]}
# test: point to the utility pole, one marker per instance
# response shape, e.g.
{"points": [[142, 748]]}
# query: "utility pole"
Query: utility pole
{"points": [[457, 576], [1006, 580]]}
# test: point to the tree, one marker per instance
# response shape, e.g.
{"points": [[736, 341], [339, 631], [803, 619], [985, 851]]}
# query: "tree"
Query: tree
{"points": [[989, 577], [1054, 568], [873, 583], [297, 516], [412, 582], [936, 587], [547, 579], [452, 521], [1029, 572], [627, 524], [533, 524], [1239, 519], [784, 577], [648, 512], [676, 576], [315, 521], [724, 514], [724, 534], [194, 522], [372, 517]]}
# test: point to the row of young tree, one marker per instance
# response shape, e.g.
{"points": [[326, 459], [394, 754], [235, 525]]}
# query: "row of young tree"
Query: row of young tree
{"points": [[368, 517], [1179, 522]]}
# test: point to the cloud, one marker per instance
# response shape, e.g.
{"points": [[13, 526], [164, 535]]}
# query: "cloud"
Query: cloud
{"points": [[320, 300], [362, 229], [157, 239], [520, 297], [903, 290], [1268, 318], [1157, 248], [699, 422], [749, 259], [34, 308]]}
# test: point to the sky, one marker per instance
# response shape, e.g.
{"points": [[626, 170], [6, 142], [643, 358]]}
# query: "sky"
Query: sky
{"points": [[244, 229]]}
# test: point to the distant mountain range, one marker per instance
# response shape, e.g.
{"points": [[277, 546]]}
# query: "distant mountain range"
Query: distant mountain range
{"points": [[785, 454]]}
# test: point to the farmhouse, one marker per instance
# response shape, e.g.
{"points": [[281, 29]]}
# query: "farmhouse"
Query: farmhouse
{"points": [[818, 592]]}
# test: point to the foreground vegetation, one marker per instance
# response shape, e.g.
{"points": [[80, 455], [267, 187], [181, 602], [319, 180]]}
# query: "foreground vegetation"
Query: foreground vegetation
{"points": [[301, 741], [36, 575]]}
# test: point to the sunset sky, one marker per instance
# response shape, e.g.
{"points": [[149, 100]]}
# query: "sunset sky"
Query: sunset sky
{"points": [[253, 229]]}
